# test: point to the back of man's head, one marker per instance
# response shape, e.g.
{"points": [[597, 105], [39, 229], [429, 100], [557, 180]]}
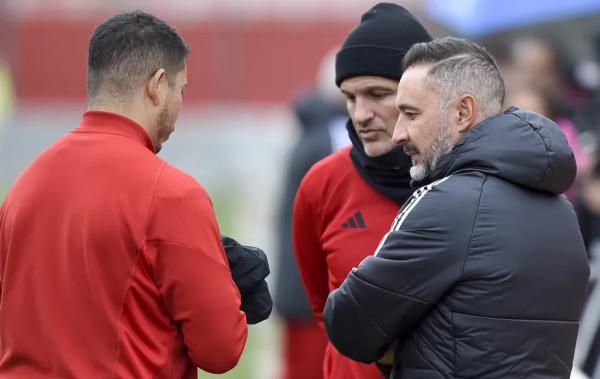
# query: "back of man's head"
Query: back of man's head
{"points": [[126, 50], [458, 66]]}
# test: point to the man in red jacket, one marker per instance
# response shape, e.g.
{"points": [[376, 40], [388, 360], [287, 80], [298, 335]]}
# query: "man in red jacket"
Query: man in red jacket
{"points": [[111, 263], [347, 201]]}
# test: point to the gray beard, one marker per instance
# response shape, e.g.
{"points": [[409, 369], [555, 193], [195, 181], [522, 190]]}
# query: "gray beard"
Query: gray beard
{"points": [[442, 144], [418, 173]]}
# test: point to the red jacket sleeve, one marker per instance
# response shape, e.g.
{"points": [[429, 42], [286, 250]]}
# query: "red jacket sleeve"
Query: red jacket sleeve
{"points": [[311, 259], [192, 274]]}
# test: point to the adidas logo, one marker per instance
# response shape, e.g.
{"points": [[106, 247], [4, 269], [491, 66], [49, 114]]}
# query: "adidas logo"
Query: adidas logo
{"points": [[355, 222]]}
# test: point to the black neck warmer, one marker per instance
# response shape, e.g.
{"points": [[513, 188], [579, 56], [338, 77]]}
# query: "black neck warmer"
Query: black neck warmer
{"points": [[386, 174]]}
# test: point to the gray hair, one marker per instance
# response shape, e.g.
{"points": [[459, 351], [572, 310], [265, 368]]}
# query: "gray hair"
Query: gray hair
{"points": [[457, 67]]}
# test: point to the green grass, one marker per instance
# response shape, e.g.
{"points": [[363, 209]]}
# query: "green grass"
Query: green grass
{"points": [[3, 190], [224, 204]]}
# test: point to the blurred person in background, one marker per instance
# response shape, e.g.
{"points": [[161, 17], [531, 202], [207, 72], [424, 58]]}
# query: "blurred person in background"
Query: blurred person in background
{"points": [[537, 97], [588, 119], [346, 201], [587, 355], [322, 117], [539, 61], [459, 287], [111, 262], [588, 210]]}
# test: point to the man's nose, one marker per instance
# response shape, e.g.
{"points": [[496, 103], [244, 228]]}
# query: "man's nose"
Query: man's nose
{"points": [[363, 112], [400, 136]]}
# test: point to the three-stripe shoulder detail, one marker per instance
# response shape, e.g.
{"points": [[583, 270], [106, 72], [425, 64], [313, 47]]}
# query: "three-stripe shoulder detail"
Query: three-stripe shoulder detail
{"points": [[413, 201]]}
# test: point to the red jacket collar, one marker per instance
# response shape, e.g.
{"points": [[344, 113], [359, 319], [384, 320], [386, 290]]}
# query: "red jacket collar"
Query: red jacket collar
{"points": [[112, 123]]}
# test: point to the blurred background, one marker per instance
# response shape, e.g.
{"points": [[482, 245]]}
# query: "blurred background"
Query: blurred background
{"points": [[254, 64]]}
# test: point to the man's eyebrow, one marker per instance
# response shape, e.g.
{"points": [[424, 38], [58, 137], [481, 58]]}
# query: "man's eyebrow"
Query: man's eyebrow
{"points": [[378, 88], [406, 107], [368, 89]]}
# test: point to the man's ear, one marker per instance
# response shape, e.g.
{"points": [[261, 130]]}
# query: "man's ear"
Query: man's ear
{"points": [[466, 112], [153, 88]]}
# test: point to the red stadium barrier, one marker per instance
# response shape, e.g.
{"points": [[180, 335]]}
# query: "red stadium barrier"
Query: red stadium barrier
{"points": [[231, 61]]}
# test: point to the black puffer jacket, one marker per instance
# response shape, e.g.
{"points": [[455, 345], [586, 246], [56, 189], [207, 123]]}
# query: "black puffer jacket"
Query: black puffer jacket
{"points": [[484, 272]]}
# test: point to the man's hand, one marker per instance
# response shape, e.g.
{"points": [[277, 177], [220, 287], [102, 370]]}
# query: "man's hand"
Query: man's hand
{"points": [[386, 362], [388, 357], [249, 268]]}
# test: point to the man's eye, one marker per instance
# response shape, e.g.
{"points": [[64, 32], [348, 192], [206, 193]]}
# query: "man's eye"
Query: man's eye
{"points": [[410, 116]]}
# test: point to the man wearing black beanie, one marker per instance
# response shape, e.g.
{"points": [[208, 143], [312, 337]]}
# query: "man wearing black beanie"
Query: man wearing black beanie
{"points": [[347, 201]]}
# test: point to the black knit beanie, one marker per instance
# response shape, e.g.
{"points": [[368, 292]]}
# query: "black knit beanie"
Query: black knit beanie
{"points": [[377, 45]]}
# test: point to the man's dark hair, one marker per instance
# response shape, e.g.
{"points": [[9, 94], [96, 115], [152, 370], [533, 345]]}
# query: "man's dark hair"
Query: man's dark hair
{"points": [[128, 49], [459, 66]]}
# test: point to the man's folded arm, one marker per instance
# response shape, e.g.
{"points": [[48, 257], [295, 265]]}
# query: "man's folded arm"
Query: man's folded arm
{"points": [[389, 294]]}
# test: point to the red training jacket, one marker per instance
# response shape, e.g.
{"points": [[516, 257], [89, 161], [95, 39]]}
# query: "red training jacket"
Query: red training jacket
{"points": [[338, 220], [111, 264]]}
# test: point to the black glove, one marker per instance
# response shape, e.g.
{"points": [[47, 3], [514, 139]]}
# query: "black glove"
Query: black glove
{"points": [[249, 268]]}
